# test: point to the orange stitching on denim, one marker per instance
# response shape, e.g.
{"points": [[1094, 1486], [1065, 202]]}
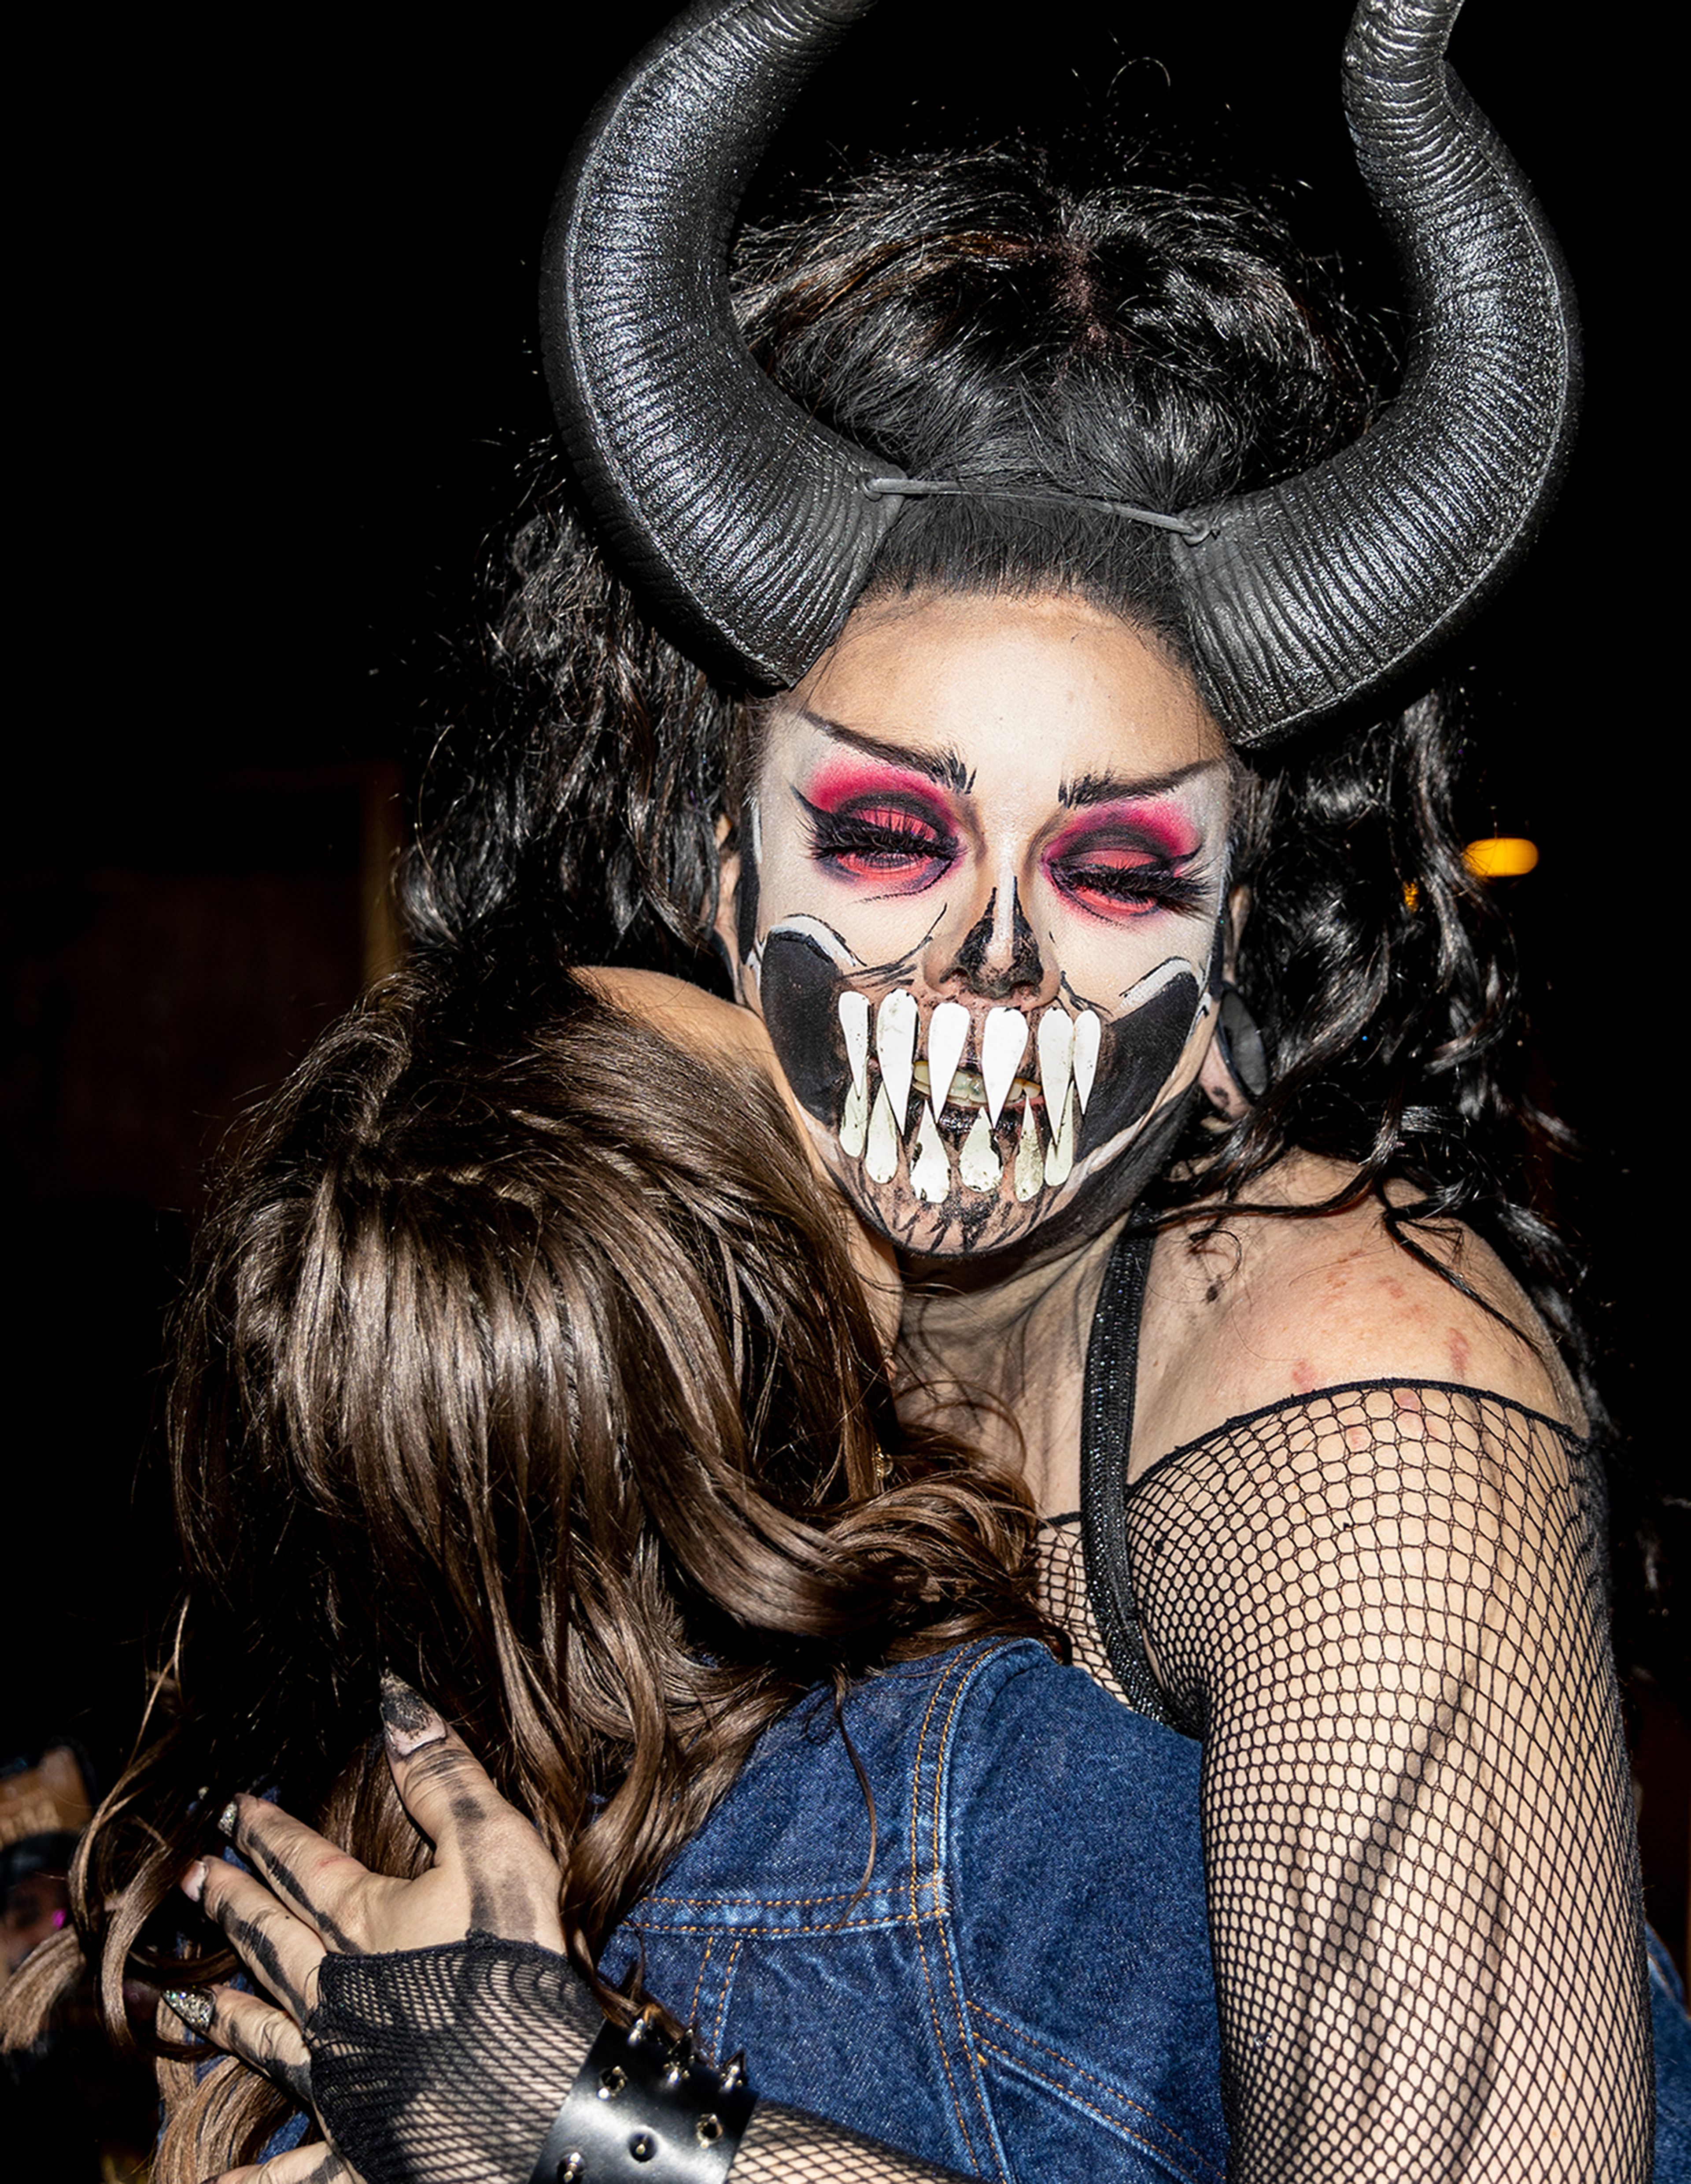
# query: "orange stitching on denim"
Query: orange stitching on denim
{"points": [[1069, 2063], [963, 1671], [922, 1945], [916, 1785], [957, 2002], [1115, 2123], [723, 2005], [780, 1933], [699, 1984], [770, 1903]]}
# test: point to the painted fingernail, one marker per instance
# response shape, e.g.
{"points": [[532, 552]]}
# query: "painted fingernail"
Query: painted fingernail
{"points": [[229, 1818], [193, 1881], [407, 1720], [193, 2005]]}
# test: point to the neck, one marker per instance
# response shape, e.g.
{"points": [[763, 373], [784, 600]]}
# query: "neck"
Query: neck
{"points": [[997, 1355], [994, 1348]]}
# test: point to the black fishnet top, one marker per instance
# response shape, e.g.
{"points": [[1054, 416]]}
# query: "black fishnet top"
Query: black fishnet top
{"points": [[1382, 1608]]}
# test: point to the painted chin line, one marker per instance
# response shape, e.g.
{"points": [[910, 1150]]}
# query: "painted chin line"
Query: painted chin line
{"points": [[962, 1129]]}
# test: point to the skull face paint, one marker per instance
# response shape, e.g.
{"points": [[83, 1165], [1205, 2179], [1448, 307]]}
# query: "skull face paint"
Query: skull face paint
{"points": [[979, 904]]}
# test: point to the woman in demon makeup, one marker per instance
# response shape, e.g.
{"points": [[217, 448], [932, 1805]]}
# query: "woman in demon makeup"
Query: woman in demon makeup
{"points": [[1003, 622]]}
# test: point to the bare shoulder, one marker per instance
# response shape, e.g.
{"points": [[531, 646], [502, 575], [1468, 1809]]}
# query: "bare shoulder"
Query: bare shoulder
{"points": [[685, 1015], [1272, 1307]]}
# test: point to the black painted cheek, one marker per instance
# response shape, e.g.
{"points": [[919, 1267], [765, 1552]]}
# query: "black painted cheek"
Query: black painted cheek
{"points": [[1136, 1056], [799, 988]]}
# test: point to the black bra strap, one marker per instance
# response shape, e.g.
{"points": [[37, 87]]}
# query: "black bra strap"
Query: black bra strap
{"points": [[1106, 1442]]}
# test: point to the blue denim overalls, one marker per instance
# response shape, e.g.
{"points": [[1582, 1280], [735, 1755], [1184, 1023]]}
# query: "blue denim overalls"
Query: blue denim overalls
{"points": [[1022, 1988]]}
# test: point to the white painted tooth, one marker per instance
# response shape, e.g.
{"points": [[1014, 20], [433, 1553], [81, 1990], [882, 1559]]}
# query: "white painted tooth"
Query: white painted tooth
{"points": [[854, 1023], [1088, 1031], [931, 1170], [947, 1034], [1003, 1041], [978, 1163], [881, 1154], [1056, 1052], [1060, 1154], [1029, 1167], [854, 1121], [895, 1048]]}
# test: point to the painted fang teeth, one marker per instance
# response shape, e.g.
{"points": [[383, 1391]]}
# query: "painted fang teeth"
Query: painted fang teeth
{"points": [[854, 1023], [1056, 1049], [1059, 1156], [978, 1163], [854, 1121], [947, 1034], [1087, 1033], [880, 1154], [1030, 1168], [1003, 1040], [930, 1171], [895, 1047]]}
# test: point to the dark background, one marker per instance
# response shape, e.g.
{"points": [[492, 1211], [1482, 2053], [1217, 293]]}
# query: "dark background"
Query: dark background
{"points": [[278, 377]]}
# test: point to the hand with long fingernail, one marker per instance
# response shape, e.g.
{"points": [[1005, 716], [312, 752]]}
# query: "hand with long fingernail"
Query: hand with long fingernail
{"points": [[409, 1722], [306, 1903]]}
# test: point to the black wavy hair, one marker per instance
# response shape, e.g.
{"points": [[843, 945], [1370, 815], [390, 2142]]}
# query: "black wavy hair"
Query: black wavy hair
{"points": [[984, 316]]}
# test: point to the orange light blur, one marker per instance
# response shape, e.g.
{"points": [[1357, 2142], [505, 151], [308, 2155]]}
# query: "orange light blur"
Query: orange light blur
{"points": [[1501, 857]]}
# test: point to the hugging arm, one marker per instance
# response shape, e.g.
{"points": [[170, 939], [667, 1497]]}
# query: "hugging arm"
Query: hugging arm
{"points": [[1384, 1609], [433, 2025]]}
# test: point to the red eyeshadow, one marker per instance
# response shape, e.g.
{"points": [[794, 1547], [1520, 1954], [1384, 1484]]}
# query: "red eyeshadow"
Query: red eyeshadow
{"points": [[1163, 829], [846, 780]]}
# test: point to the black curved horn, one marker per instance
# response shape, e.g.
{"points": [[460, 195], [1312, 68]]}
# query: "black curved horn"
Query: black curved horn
{"points": [[1311, 597], [746, 521]]}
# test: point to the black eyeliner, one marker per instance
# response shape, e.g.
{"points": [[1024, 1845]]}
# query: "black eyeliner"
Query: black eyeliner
{"points": [[1150, 883], [837, 834]]}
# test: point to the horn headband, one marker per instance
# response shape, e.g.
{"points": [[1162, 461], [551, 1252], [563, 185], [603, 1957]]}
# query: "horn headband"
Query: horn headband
{"points": [[753, 528]]}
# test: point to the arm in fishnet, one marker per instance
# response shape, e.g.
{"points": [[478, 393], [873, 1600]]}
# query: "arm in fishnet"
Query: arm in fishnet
{"points": [[447, 2065], [1382, 1610]]}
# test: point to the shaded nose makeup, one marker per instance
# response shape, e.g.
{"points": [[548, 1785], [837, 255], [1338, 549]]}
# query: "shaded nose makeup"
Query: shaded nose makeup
{"points": [[999, 953]]}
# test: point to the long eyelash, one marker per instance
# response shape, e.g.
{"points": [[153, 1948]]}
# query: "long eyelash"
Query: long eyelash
{"points": [[1156, 883], [838, 833]]}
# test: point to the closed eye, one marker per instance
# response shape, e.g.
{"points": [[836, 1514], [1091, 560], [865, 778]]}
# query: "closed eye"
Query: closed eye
{"points": [[1125, 880], [881, 841]]}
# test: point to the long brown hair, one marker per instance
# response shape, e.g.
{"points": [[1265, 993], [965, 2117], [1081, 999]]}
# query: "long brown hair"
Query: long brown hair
{"points": [[524, 1356]]}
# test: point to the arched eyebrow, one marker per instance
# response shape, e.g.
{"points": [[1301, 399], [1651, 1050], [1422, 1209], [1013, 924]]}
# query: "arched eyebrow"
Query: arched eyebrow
{"points": [[946, 767], [1123, 787]]}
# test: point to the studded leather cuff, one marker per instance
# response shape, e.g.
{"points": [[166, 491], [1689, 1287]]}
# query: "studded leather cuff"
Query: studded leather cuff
{"points": [[645, 2110]]}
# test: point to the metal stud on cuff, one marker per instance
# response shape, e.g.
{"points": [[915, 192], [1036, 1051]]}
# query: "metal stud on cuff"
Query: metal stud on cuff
{"points": [[645, 2107]]}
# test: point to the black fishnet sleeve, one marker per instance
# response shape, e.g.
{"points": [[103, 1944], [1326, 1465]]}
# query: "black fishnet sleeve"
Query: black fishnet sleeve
{"points": [[1383, 1609], [447, 2066]]}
